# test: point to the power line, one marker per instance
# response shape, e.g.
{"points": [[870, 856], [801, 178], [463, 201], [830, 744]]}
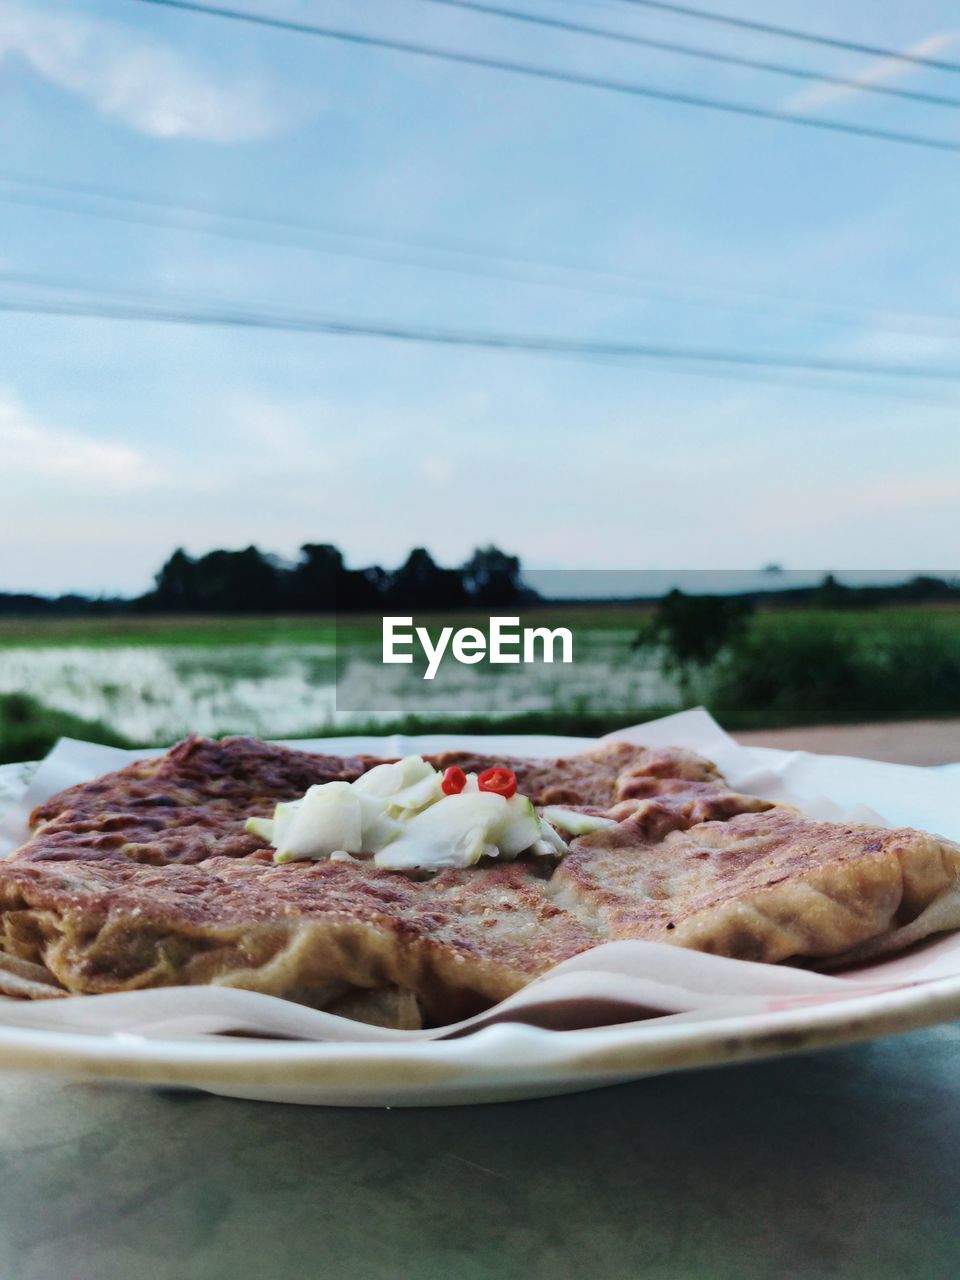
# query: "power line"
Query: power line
{"points": [[608, 283], [791, 33], [562, 77], [392, 246], [96, 302], [698, 51]]}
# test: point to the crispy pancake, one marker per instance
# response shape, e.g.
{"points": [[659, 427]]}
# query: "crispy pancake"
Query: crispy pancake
{"points": [[227, 773], [384, 947], [316, 932], [675, 804], [146, 878], [191, 803], [771, 886], [184, 806]]}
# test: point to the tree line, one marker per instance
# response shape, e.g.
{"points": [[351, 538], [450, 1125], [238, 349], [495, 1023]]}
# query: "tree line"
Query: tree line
{"points": [[255, 582]]}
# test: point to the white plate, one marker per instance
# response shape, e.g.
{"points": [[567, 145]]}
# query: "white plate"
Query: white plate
{"points": [[510, 1061], [500, 1063]]}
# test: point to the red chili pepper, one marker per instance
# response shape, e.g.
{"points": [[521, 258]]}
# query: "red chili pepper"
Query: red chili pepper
{"points": [[503, 782], [454, 780]]}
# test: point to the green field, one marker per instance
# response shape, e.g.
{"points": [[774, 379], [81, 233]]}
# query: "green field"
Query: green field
{"points": [[131, 629], [148, 679]]}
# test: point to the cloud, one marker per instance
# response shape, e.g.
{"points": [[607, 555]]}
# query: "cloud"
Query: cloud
{"points": [[880, 72], [33, 451], [132, 77]]}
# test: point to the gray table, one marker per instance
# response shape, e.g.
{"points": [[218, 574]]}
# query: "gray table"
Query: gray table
{"points": [[842, 1163]]}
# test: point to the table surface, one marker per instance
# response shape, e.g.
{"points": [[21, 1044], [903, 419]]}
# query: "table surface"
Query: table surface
{"points": [[842, 1163]]}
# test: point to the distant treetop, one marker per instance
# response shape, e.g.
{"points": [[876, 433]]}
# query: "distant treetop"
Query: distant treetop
{"points": [[319, 582]]}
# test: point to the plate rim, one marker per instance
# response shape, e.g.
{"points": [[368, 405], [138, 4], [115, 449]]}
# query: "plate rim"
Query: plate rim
{"points": [[497, 1055]]}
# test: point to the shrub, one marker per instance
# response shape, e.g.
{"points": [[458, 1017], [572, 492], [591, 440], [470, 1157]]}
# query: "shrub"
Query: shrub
{"points": [[822, 672], [28, 729]]}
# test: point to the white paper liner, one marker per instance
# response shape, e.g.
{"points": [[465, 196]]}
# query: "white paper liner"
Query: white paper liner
{"points": [[616, 981]]}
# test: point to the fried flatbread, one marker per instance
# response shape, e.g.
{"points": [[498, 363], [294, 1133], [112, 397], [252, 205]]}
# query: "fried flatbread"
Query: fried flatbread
{"points": [[322, 933], [184, 806], [191, 803], [28, 980], [146, 878], [771, 886], [388, 948]]}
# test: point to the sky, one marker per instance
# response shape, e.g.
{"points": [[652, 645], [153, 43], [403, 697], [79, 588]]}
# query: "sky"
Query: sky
{"points": [[120, 440]]}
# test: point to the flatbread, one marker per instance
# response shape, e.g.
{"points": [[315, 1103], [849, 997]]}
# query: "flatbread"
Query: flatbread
{"points": [[771, 886], [186, 805], [191, 803], [146, 878], [321, 933]]}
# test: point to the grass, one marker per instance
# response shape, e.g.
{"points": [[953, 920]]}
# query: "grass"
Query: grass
{"points": [[198, 631], [214, 632], [28, 729]]}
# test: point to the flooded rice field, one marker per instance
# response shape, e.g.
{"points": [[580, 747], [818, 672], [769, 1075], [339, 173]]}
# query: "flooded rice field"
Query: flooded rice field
{"points": [[157, 693]]}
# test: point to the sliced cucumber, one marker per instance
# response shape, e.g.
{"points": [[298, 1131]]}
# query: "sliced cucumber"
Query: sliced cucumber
{"points": [[283, 816], [425, 791], [544, 849], [399, 813], [555, 843], [388, 779], [577, 824], [519, 829], [378, 828], [262, 828], [381, 780], [328, 818], [454, 832]]}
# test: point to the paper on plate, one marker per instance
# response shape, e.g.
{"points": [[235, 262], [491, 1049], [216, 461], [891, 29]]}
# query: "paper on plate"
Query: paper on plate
{"points": [[616, 981]]}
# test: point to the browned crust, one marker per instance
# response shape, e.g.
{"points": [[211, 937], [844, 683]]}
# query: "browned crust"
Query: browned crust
{"points": [[676, 805], [767, 887], [27, 980], [224, 774], [308, 931], [615, 771], [191, 803], [184, 806]]}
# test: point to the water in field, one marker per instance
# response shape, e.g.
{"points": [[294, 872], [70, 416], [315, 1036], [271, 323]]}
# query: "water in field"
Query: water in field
{"points": [[157, 693]]}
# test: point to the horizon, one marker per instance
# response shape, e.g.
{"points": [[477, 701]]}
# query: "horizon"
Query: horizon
{"points": [[570, 586]]}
